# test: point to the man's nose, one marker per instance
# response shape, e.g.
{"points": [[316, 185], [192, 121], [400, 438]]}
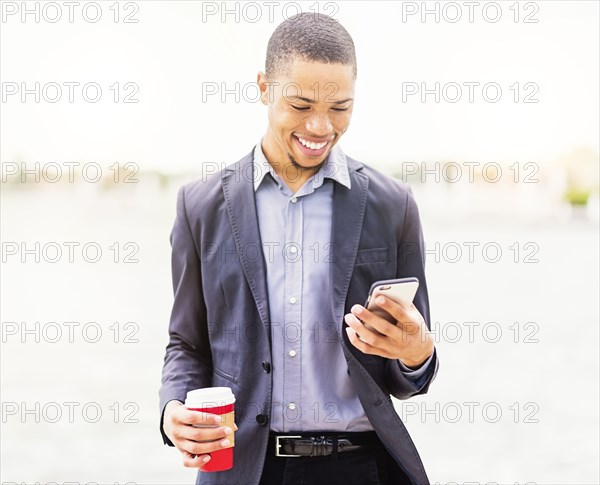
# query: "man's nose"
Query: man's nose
{"points": [[319, 125]]}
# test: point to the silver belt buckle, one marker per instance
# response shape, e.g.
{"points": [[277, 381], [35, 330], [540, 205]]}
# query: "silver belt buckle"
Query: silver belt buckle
{"points": [[278, 446]]}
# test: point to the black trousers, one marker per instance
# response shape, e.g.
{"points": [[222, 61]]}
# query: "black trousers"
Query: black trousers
{"points": [[372, 466]]}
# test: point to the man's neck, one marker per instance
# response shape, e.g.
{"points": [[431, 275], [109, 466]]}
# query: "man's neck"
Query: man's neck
{"points": [[292, 174]]}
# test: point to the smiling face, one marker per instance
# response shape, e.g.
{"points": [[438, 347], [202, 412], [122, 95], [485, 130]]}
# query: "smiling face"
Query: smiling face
{"points": [[310, 107]]}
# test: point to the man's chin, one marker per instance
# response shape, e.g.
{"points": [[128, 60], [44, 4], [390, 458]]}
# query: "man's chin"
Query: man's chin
{"points": [[304, 164], [299, 160]]}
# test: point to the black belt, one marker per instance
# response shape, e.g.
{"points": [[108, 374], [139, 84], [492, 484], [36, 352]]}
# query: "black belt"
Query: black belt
{"points": [[294, 445]]}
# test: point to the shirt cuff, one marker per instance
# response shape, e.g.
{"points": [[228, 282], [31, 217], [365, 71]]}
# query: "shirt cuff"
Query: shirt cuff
{"points": [[415, 373]]}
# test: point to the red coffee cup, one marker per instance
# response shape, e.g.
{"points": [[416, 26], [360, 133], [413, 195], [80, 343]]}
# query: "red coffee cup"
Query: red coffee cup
{"points": [[215, 400]]}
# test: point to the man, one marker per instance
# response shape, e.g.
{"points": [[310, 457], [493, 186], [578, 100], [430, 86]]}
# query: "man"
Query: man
{"points": [[271, 260]]}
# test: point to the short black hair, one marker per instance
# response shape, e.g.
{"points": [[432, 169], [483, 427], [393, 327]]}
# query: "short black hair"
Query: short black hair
{"points": [[311, 36]]}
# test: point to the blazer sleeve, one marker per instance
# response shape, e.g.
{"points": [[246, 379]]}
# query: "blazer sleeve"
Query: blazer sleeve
{"points": [[411, 262], [188, 361]]}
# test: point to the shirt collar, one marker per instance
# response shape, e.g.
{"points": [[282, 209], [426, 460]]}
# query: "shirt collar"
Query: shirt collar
{"points": [[335, 167]]}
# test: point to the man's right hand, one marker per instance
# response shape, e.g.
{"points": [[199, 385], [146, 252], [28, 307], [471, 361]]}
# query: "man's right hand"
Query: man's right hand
{"points": [[195, 444]]}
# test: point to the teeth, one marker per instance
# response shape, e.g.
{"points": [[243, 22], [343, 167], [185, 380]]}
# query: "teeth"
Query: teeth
{"points": [[311, 145]]}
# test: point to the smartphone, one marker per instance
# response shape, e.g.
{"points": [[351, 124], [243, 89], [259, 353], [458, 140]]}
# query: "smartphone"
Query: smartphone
{"points": [[401, 290]]}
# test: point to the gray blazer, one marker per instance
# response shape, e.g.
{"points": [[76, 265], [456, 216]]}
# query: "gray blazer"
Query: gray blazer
{"points": [[220, 325]]}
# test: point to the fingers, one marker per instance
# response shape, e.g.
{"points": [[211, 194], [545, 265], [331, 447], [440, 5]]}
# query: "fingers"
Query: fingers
{"points": [[406, 317], [366, 335], [186, 416], [358, 343], [380, 337], [181, 418], [197, 448], [364, 346], [394, 309], [203, 434], [196, 452], [194, 461], [375, 320], [409, 339], [197, 434], [180, 415]]}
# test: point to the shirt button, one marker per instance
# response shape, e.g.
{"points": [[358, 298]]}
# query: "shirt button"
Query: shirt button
{"points": [[292, 405], [266, 367], [261, 419], [294, 200], [293, 250], [293, 300], [292, 353]]}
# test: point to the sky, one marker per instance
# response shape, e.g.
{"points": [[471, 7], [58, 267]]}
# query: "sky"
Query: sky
{"points": [[177, 51]]}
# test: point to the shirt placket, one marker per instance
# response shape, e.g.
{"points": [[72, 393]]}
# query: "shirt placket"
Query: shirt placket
{"points": [[292, 336]]}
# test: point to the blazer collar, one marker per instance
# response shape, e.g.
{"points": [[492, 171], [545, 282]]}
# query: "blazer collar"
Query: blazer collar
{"points": [[335, 167]]}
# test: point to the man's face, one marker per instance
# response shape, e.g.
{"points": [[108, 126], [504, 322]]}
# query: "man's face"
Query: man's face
{"points": [[310, 107]]}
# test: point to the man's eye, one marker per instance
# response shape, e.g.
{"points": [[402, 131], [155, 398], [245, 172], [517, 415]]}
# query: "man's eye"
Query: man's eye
{"points": [[299, 108], [339, 109]]}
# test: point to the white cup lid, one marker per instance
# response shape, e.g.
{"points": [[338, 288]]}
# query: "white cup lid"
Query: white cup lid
{"points": [[210, 396]]}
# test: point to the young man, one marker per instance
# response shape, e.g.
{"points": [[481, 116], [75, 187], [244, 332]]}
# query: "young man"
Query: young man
{"points": [[271, 260]]}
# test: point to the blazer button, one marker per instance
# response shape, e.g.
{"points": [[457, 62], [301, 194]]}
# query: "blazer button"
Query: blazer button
{"points": [[261, 419], [266, 366]]}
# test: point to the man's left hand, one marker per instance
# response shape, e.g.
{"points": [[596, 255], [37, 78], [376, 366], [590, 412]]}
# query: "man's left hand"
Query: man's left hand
{"points": [[408, 339]]}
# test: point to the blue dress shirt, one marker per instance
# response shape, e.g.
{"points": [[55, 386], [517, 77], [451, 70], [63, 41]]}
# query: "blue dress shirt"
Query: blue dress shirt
{"points": [[312, 389]]}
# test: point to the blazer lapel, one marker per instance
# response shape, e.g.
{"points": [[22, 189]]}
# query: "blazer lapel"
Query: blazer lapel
{"points": [[238, 190], [348, 213]]}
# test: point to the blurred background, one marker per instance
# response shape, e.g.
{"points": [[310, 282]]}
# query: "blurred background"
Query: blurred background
{"points": [[489, 111]]}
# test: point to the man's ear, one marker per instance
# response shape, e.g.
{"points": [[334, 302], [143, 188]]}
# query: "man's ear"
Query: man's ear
{"points": [[263, 86]]}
